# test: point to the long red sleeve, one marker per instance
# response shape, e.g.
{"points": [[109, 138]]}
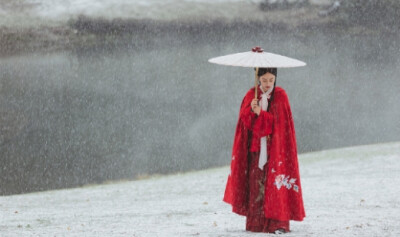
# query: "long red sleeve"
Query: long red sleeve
{"points": [[246, 115], [263, 124]]}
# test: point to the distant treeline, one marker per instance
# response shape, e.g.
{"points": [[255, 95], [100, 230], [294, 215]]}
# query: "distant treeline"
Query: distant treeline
{"points": [[373, 13]]}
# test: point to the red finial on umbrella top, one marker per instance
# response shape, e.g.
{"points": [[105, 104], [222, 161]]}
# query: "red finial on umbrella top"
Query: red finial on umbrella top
{"points": [[257, 49]]}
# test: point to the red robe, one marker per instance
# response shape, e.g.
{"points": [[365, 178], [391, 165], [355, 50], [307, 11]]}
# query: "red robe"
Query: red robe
{"points": [[283, 194]]}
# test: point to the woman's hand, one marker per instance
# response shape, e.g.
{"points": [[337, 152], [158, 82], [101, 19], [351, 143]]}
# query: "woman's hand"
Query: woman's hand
{"points": [[255, 107]]}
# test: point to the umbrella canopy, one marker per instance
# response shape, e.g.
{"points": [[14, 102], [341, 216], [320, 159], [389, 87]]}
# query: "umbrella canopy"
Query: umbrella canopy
{"points": [[257, 58]]}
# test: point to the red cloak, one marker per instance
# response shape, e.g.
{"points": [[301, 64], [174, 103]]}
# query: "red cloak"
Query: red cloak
{"points": [[283, 194]]}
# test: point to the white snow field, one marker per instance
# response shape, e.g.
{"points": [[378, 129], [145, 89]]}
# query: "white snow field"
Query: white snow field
{"points": [[347, 192]]}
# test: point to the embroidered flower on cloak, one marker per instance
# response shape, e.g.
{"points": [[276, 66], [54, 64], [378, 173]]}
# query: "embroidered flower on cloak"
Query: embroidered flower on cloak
{"points": [[283, 180]]}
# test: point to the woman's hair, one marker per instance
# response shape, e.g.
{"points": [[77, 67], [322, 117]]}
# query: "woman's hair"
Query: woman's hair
{"points": [[263, 70]]}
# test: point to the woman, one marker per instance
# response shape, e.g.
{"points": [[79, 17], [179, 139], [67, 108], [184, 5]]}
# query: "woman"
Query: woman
{"points": [[264, 183]]}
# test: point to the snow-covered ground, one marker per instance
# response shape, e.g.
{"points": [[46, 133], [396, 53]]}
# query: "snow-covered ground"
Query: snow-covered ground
{"points": [[347, 192], [28, 13]]}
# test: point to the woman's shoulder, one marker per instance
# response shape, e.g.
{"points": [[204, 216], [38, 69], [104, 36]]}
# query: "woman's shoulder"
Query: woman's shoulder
{"points": [[279, 90], [280, 93]]}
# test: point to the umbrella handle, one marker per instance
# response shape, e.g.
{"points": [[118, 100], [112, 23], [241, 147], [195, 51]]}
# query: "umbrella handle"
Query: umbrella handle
{"points": [[256, 84]]}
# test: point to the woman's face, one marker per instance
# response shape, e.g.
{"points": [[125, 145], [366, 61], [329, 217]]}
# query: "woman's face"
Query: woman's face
{"points": [[267, 81]]}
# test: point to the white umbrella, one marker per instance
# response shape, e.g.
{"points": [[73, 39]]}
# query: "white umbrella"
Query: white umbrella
{"points": [[257, 58]]}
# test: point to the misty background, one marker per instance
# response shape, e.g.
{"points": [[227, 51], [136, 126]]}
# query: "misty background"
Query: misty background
{"points": [[127, 98]]}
